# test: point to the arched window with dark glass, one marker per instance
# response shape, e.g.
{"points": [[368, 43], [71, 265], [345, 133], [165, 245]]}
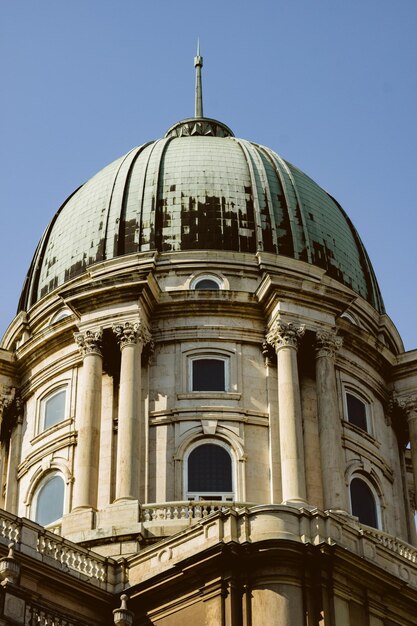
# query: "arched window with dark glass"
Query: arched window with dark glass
{"points": [[207, 282], [209, 473], [363, 501], [49, 502]]}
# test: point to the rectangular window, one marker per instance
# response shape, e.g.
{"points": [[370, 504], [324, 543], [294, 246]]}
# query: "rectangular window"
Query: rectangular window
{"points": [[208, 374], [356, 412]]}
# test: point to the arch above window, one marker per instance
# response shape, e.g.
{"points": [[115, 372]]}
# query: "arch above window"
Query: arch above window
{"points": [[208, 282], [49, 500], [364, 502], [59, 315], [209, 472]]}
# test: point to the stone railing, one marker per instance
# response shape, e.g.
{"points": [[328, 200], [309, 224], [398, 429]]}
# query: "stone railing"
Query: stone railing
{"points": [[37, 615], [72, 556], [9, 528], [186, 510], [393, 544], [37, 542]]}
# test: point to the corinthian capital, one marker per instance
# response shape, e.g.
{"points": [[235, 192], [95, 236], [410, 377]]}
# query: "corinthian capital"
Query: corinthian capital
{"points": [[327, 343], [285, 334], [129, 333], [89, 342], [409, 404]]}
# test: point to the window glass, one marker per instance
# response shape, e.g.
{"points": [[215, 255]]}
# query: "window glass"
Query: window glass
{"points": [[209, 470], [50, 501], [356, 411], [206, 283], [208, 375], [54, 409], [363, 503]]}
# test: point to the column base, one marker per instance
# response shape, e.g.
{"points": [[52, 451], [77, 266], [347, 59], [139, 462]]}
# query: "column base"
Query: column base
{"points": [[78, 521], [299, 504], [120, 514]]}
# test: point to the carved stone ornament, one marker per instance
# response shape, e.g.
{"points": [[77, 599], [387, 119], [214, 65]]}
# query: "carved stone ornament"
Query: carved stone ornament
{"points": [[327, 343], [409, 405], [122, 616], [9, 567], [89, 342], [129, 333], [285, 334]]}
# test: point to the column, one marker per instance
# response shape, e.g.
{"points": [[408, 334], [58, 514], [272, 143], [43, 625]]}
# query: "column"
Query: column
{"points": [[410, 406], [87, 454], [277, 603], [285, 338], [330, 427], [131, 337], [13, 413]]}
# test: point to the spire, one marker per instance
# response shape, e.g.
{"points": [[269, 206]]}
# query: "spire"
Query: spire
{"points": [[198, 64]]}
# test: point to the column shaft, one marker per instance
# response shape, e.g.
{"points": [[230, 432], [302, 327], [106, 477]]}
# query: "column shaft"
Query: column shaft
{"points": [[330, 428], [411, 407], [290, 426], [87, 455], [275, 603], [285, 338], [127, 469]]}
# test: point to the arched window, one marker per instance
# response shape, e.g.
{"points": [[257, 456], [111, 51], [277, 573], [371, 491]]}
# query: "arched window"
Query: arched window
{"points": [[53, 408], [49, 501], [364, 503], [209, 473], [207, 282]]}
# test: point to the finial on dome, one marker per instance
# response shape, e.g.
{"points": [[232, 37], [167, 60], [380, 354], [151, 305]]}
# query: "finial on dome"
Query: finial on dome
{"points": [[198, 64]]}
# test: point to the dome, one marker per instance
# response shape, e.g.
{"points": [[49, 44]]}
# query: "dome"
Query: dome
{"points": [[200, 188]]}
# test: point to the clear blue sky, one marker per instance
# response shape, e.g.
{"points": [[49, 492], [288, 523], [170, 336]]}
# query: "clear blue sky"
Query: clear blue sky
{"points": [[330, 85]]}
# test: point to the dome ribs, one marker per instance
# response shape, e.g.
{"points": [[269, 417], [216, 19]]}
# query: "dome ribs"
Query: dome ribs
{"points": [[297, 228], [126, 231], [193, 191]]}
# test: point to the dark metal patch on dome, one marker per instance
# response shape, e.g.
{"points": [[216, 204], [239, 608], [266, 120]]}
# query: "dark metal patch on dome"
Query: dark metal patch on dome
{"points": [[75, 270]]}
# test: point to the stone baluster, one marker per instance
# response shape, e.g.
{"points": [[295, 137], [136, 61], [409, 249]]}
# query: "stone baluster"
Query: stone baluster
{"points": [[86, 474], [131, 338], [285, 338], [330, 427]]}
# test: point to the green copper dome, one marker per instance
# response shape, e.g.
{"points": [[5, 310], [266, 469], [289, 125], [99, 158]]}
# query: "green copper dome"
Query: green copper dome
{"points": [[200, 188]]}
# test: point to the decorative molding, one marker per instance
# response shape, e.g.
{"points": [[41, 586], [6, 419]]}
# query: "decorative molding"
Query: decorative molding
{"points": [[128, 334], [89, 342], [409, 404], [285, 334], [327, 344]]}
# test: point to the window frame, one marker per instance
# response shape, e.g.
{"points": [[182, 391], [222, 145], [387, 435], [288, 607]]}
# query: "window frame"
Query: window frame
{"points": [[368, 409], [207, 276], [43, 404], [35, 498], [204, 356], [225, 496], [376, 497]]}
